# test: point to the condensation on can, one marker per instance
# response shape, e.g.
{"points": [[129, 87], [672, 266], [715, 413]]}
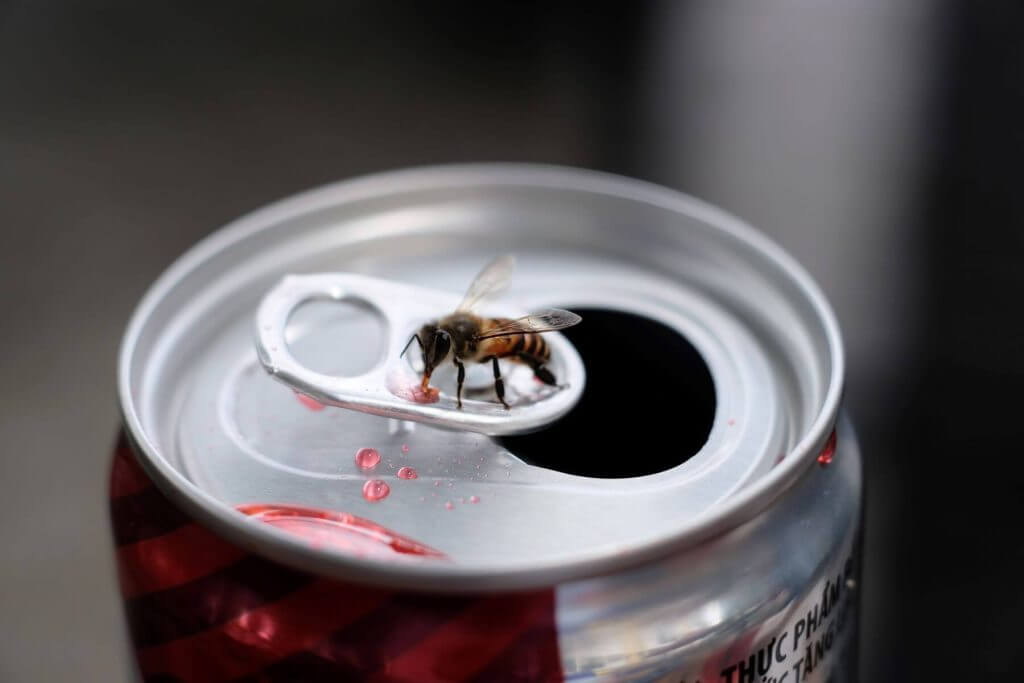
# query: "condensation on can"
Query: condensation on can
{"points": [[739, 564]]}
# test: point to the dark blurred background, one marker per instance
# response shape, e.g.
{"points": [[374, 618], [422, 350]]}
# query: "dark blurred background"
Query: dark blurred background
{"points": [[879, 142]]}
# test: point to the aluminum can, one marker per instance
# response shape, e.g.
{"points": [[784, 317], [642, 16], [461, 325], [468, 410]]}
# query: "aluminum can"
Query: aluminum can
{"points": [[695, 518]]}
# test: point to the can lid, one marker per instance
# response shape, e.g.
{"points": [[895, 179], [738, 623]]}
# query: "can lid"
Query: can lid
{"points": [[217, 433]]}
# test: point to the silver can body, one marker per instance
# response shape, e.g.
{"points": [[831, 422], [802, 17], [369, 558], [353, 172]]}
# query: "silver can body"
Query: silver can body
{"points": [[772, 600], [737, 564]]}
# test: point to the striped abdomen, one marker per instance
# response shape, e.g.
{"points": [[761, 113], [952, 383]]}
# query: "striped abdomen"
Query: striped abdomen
{"points": [[512, 346]]}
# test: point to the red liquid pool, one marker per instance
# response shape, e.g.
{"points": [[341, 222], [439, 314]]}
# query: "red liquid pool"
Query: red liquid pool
{"points": [[340, 531]]}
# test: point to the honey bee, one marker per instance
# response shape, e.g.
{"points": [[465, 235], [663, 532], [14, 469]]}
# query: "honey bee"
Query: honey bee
{"points": [[470, 338]]}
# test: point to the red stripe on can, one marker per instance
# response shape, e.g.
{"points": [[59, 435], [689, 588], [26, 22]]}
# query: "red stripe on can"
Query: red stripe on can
{"points": [[377, 638], [532, 658], [174, 559], [368, 643], [201, 609], [302, 666], [259, 637], [142, 515], [126, 477], [464, 646], [212, 600]]}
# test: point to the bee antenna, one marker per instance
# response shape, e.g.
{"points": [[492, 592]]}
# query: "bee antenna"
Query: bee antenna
{"points": [[418, 341]]}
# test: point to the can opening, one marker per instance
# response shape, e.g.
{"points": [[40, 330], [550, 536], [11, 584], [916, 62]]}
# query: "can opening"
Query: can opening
{"points": [[343, 338], [648, 405]]}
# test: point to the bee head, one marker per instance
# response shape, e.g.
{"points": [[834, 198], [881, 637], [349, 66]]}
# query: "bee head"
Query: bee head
{"points": [[436, 344]]}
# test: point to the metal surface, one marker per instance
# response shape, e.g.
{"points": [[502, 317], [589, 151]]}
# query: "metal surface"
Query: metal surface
{"points": [[386, 388], [696, 614], [214, 431]]}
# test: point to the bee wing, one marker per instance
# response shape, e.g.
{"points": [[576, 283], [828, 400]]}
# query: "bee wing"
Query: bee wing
{"points": [[491, 280], [545, 321]]}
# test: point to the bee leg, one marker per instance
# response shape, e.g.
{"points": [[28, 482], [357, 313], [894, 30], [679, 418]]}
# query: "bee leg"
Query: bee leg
{"points": [[462, 378], [544, 375], [499, 383], [539, 371]]}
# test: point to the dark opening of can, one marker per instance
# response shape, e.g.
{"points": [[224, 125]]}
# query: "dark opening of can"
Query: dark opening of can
{"points": [[648, 405]]}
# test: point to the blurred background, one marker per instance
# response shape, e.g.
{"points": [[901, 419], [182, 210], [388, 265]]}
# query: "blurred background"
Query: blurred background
{"points": [[879, 142]]}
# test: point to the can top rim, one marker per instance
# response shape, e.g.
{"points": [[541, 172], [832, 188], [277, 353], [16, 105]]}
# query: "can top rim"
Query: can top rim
{"points": [[745, 504]]}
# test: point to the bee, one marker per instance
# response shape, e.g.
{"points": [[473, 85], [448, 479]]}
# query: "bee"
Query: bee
{"points": [[470, 338]]}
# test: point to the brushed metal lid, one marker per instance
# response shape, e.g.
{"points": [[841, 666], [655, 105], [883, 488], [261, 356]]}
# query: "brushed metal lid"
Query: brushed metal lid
{"points": [[216, 432]]}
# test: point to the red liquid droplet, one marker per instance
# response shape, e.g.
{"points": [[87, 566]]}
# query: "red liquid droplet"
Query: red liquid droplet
{"points": [[474, 499], [731, 422], [407, 473], [437, 482], [367, 458], [310, 402], [405, 448], [375, 490], [829, 451], [340, 531], [449, 505]]}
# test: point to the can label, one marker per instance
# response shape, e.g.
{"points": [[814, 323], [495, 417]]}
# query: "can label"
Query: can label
{"points": [[812, 642], [202, 609]]}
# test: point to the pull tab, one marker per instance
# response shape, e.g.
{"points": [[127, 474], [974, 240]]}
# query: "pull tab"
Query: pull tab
{"points": [[389, 388]]}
